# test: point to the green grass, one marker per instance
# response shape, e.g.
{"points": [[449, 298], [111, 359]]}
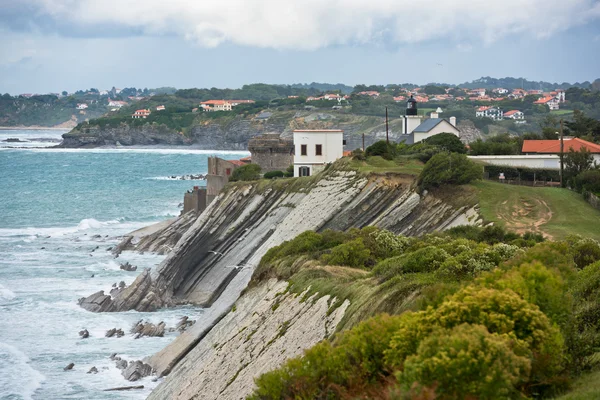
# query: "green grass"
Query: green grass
{"points": [[561, 112], [553, 211], [586, 387], [376, 164]]}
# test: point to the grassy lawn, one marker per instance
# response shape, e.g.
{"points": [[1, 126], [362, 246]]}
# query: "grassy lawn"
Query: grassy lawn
{"points": [[586, 387], [561, 112], [378, 164], [553, 211]]}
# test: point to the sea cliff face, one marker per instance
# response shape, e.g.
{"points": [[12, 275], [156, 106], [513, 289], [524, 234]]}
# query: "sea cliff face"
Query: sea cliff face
{"points": [[213, 260], [233, 133], [95, 136]]}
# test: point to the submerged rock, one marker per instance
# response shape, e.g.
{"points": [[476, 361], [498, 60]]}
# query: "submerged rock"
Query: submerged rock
{"points": [[121, 364], [69, 367], [114, 332], [93, 370], [84, 334], [128, 267]]}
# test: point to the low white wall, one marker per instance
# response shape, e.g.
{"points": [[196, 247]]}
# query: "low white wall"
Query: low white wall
{"points": [[550, 161]]}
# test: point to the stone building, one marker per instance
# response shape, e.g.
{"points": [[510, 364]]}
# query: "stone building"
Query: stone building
{"points": [[219, 171], [271, 152]]}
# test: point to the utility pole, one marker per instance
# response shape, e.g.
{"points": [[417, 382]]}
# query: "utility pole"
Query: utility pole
{"points": [[562, 154], [363, 135], [387, 136]]}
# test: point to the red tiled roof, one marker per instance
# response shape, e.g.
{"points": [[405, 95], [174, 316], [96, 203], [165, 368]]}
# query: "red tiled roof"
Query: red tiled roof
{"points": [[543, 100], [483, 108], [239, 163], [246, 159], [553, 146], [511, 112], [347, 153]]}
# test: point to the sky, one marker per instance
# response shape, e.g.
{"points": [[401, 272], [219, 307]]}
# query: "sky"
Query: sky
{"points": [[55, 45]]}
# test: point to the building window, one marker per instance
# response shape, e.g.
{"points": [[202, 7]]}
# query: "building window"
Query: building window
{"points": [[228, 171], [319, 150], [303, 150], [304, 171]]}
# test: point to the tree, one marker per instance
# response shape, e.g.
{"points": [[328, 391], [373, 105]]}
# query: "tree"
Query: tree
{"points": [[447, 141], [577, 162], [449, 169], [64, 93], [248, 172], [583, 125], [381, 148], [433, 89]]}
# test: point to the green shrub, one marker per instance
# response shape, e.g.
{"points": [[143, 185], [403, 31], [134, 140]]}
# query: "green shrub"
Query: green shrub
{"points": [[381, 148], [536, 284], [273, 174], [332, 371], [449, 169], [467, 362], [588, 181], [289, 171], [352, 254], [358, 154], [584, 338], [248, 172], [501, 312], [386, 244], [448, 142], [427, 259], [586, 252]]}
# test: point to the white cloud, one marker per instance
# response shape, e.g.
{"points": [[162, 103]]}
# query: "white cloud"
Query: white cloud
{"points": [[312, 24]]}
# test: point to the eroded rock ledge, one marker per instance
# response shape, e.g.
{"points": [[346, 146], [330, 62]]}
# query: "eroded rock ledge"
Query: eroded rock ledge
{"points": [[237, 229]]}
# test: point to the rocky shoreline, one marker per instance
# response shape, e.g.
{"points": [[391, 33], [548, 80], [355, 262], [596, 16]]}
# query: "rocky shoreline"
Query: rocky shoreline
{"points": [[211, 258]]}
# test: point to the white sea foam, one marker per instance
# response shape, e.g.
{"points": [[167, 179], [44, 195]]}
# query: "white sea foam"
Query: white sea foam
{"points": [[179, 150], [17, 377], [6, 294]]}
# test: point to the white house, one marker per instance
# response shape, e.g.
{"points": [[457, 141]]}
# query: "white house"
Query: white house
{"points": [[116, 103], [515, 115], [315, 148], [160, 108], [494, 113], [500, 90], [82, 106], [551, 102], [141, 114]]}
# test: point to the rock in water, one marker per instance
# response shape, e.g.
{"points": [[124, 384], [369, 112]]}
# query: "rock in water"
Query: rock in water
{"points": [[93, 370], [136, 370], [128, 267], [124, 388], [141, 329], [69, 367], [184, 323], [84, 334], [121, 364], [115, 332], [97, 302]]}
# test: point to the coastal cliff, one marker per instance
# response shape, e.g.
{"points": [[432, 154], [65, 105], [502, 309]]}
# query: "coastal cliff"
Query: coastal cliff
{"points": [[213, 260], [123, 134], [229, 132]]}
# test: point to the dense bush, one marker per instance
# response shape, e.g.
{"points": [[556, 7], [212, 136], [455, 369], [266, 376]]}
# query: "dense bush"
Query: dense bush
{"points": [[289, 172], [273, 174], [353, 254], [585, 252], [449, 169], [467, 362], [248, 172], [587, 181], [381, 148], [447, 142]]}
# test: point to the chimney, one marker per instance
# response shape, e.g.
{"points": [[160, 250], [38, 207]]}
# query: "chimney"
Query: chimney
{"points": [[453, 121], [435, 115]]}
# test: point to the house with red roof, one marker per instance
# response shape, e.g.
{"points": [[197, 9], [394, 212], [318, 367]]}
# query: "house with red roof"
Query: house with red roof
{"points": [[531, 147], [371, 93], [549, 101], [515, 115], [494, 113], [141, 114], [222, 105]]}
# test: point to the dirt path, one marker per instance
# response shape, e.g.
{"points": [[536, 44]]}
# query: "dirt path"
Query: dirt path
{"points": [[525, 214]]}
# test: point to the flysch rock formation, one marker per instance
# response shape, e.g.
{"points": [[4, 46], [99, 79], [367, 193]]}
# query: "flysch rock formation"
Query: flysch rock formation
{"points": [[214, 259], [267, 327]]}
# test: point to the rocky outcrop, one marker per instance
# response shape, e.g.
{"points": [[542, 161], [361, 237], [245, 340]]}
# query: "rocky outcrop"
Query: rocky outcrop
{"points": [[136, 370], [236, 230], [267, 327], [124, 134], [114, 332], [468, 132], [141, 329], [127, 267]]}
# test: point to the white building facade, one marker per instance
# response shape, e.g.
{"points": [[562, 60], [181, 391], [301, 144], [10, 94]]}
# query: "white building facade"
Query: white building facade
{"points": [[314, 149]]}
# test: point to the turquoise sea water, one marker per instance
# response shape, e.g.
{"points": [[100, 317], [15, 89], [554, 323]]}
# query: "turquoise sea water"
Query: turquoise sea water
{"points": [[60, 210]]}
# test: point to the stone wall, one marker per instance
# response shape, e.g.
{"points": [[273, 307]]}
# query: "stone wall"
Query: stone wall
{"points": [[593, 200], [271, 152], [194, 200]]}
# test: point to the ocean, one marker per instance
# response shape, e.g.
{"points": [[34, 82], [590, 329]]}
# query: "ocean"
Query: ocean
{"points": [[61, 210]]}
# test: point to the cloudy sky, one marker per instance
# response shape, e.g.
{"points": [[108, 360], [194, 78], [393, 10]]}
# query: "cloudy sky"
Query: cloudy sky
{"points": [[55, 45]]}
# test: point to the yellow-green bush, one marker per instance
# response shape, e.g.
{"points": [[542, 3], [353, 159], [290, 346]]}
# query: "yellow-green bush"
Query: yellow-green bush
{"points": [[467, 362]]}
